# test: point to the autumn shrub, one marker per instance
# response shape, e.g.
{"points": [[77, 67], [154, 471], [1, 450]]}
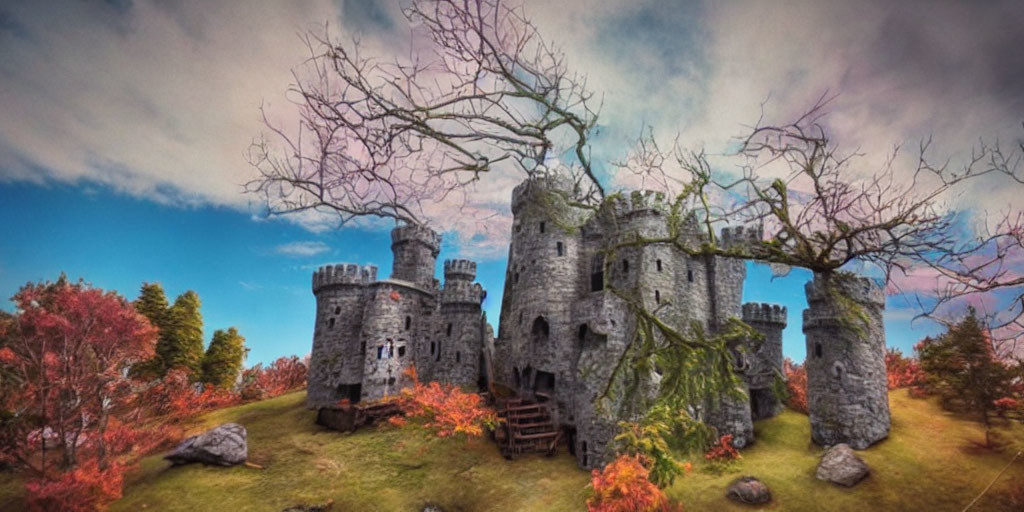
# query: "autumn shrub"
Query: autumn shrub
{"points": [[444, 409], [901, 371], [623, 485], [658, 438], [796, 385], [723, 450], [283, 375], [85, 488]]}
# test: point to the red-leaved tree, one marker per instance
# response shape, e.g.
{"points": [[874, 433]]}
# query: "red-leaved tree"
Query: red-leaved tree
{"points": [[445, 409], [64, 361], [283, 375], [796, 385]]}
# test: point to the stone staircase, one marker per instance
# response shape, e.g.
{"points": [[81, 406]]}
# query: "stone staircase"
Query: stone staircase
{"points": [[527, 427]]}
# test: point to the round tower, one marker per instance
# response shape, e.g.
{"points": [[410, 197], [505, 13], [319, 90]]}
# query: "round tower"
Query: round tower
{"points": [[415, 250], [336, 362], [459, 343], [765, 364], [847, 393]]}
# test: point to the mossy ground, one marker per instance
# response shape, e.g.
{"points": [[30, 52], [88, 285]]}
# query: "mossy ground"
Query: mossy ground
{"points": [[930, 462]]}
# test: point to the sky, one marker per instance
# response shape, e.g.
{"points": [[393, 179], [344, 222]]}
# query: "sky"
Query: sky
{"points": [[125, 127]]}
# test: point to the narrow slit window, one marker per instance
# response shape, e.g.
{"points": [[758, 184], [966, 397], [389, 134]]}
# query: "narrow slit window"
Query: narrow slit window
{"points": [[337, 310], [330, 324], [449, 330], [689, 275], [817, 350], [625, 266], [658, 264], [401, 351], [541, 227], [408, 322], [433, 348], [559, 249], [380, 352], [438, 356], [657, 297], [458, 357]]}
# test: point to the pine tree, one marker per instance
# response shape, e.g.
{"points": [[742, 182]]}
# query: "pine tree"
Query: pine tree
{"points": [[152, 304], [962, 365], [182, 347], [223, 360]]}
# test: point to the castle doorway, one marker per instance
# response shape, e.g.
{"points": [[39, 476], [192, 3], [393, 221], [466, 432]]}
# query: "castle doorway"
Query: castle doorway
{"points": [[762, 404]]}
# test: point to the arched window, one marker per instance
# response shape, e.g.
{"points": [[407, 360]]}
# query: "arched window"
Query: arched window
{"points": [[337, 310], [540, 330], [658, 264], [558, 248], [408, 322]]}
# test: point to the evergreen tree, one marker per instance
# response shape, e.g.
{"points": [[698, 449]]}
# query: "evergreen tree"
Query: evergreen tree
{"points": [[183, 345], [223, 360], [962, 366], [152, 304]]}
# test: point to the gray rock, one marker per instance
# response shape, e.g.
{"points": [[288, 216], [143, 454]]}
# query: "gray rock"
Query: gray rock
{"points": [[224, 445], [749, 490], [841, 466]]}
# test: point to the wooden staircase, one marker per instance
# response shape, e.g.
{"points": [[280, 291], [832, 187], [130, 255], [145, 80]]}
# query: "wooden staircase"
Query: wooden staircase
{"points": [[526, 427]]}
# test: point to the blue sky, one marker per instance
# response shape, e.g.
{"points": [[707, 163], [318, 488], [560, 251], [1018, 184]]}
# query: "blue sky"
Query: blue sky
{"points": [[125, 127]]}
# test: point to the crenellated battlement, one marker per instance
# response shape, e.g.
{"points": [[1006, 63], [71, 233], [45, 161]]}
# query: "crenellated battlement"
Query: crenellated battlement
{"points": [[859, 289], [736, 236], [765, 313], [459, 270], [462, 292], [343, 273], [526, 190], [416, 233], [639, 202]]}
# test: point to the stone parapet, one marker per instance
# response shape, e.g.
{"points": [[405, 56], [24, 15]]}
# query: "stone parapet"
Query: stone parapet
{"points": [[416, 233], [764, 313], [859, 289], [462, 292], [343, 274], [463, 270]]}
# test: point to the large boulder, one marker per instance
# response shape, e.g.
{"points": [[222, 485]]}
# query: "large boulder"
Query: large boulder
{"points": [[840, 465], [224, 445], [749, 490]]}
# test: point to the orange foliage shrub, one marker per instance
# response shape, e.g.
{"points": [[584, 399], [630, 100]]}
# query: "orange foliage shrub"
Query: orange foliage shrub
{"points": [[623, 486], [723, 451], [796, 385], [445, 408], [902, 372], [83, 489], [283, 375]]}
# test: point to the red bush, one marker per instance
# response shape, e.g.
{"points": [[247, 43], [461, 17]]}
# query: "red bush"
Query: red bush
{"points": [[446, 409], [796, 385], [623, 486], [902, 372], [83, 489], [283, 375], [723, 451]]}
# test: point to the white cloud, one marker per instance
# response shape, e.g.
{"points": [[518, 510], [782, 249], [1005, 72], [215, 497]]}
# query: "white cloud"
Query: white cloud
{"points": [[302, 249]]}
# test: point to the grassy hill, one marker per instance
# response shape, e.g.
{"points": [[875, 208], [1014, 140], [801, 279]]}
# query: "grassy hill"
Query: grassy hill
{"points": [[930, 462]]}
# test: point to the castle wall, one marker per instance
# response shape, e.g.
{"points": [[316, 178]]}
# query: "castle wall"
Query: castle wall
{"points": [[393, 319], [336, 369], [846, 386]]}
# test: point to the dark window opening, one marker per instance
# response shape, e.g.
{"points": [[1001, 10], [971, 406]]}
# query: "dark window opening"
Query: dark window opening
{"points": [[401, 351], [330, 324], [657, 297], [520, 318], [689, 275], [408, 322], [597, 275], [519, 228], [337, 310], [391, 381], [380, 352], [581, 333], [817, 349], [559, 248], [625, 266], [458, 357], [515, 278], [540, 330], [541, 227], [433, 348], [438, 358], [516, 377], [351, 392], [449, 330], [362, 348], [658, 264], [544, 382]]}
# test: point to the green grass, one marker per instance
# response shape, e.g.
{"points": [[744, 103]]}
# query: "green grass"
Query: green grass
{"points": [[930, 462]]}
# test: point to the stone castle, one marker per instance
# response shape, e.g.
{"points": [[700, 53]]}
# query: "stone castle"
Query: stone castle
{"points": [[562, 329]]}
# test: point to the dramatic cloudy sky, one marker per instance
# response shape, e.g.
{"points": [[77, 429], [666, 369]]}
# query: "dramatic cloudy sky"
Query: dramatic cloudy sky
{"points": [[125, 123]]}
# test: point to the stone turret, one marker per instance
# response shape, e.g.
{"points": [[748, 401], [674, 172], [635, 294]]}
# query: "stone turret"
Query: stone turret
{"points": [[458, 347], [765, 362], [462, 270], [415, 251], [846, 386], [343, 274]]}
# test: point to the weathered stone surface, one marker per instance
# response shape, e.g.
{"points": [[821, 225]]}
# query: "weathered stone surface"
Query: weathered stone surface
{"points": [[847, 393], [224, 445], [341, 419], [326, 507], [841, 466], [749, 490]]}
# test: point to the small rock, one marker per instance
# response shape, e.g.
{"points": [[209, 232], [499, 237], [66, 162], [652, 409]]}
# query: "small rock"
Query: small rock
{"points": [[749, 490], [840, 465], [224, 445]]}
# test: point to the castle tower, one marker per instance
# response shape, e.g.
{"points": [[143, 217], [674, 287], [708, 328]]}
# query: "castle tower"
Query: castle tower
{"points": [[456, 352], [541, 285], [415, 251], [336, 361], [846, 381], [765, 363]]}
